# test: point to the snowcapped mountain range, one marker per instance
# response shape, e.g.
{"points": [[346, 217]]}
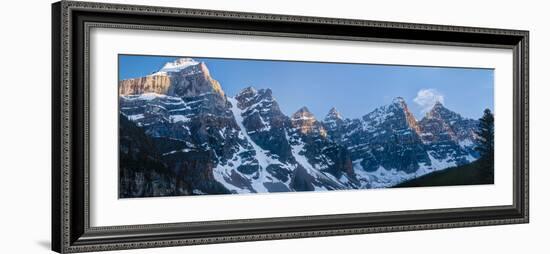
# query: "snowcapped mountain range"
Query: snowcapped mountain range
{"points": [[181, 135]]}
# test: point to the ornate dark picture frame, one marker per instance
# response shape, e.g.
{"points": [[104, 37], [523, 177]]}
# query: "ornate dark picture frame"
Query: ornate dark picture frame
{"points": [[71, 230]]}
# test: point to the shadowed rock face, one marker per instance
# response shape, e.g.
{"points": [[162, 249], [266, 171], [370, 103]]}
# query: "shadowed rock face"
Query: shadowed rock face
{"points": [[193, 81], [264, 121], [203, 142], [147, 170]]}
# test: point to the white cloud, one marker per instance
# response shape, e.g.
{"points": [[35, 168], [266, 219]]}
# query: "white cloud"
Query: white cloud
{"points": [[426, 99]]}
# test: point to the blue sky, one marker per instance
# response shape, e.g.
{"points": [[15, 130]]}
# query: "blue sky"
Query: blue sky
{"points": [[354, 89]]}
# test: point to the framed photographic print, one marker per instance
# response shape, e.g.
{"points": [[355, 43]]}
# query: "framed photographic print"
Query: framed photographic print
{"points": [[181, 126]]}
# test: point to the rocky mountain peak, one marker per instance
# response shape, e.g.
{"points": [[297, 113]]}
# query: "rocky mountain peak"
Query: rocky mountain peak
{"points": [[401, 106], [436, 110], [247, 92], [303, 113], [183, 77], [333, 115], [442, 123], [439, 111], [399, 101], [190, 78], [250, 95], [334, 123], [250, 92], [179, 64], [306, 123]]}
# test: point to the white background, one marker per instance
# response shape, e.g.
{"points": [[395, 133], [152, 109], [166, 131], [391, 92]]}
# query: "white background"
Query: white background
{"points": [[108, 210], [25, 128]]}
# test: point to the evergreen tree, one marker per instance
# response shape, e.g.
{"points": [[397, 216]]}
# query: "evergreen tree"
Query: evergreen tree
{"points": [[486, 147], [486, 135]]}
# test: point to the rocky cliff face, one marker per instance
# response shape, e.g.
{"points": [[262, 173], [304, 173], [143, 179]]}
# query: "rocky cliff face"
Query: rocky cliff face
{"points": [[150, 84]]}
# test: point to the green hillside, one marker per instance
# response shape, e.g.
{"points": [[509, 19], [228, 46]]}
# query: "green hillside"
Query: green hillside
{"points": [[478, 172]]}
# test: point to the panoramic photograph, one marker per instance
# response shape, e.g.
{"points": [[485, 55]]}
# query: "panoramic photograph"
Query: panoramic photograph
{"points": [[205, 126]]}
